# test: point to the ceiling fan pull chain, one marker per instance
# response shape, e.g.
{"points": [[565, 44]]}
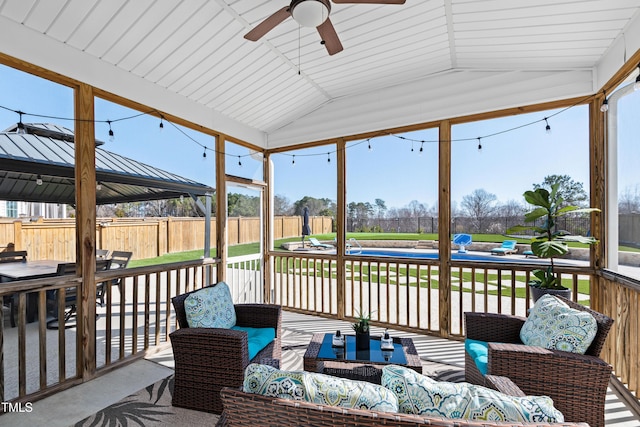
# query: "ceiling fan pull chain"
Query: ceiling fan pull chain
{"points": [[298, 49]]}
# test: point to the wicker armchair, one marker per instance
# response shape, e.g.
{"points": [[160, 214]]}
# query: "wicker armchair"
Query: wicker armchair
{"points": [[207, 359], [577, 383]]}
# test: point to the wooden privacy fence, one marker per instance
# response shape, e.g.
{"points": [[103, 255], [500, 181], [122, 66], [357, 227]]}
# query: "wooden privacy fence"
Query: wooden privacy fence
{"points": [[145, 237]]}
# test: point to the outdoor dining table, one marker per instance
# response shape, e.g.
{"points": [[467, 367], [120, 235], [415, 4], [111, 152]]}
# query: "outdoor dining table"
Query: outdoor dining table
{"points": [[12, 271]]}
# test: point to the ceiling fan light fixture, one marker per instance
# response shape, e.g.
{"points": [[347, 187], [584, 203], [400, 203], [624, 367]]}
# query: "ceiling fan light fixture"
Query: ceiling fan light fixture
{"points": [[310, 13]]}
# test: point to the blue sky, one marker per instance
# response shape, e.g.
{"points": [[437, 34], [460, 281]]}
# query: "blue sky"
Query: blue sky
{"points": [[508, 164]]}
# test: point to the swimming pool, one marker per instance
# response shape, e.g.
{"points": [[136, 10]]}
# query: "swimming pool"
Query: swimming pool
{"points": [[425, 255]]}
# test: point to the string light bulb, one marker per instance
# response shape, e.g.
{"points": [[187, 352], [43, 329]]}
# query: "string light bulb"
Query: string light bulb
{"points": [[479, 144], [421, 149], [605, 106], [239, 162], [412, 146], [369, 142], [98, 186], [39, 180], [293, 161], [328, 158], [111, 135], [21, 130], [548, 127], [204, 153], [161, 126], [636, 85]]}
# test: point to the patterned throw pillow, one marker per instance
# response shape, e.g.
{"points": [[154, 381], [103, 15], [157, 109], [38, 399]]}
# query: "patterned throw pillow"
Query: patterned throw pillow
{"points": [[554, 325], [420, 395], [210, 307], [318, 388], [269, 381]]}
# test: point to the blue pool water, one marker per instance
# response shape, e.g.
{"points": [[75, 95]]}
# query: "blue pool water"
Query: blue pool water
{"points": [[422, 255]]}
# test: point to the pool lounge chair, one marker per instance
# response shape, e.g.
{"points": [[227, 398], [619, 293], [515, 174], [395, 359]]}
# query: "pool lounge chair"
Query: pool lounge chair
{"points": [[316, 244], [508, 247]]}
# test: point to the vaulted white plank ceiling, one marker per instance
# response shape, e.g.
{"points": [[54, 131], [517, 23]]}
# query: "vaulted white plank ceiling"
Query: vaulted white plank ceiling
{"points": [[401, 64]]}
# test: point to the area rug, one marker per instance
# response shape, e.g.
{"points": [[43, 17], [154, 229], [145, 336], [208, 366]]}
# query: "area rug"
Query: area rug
{"points": [[149, 407]]}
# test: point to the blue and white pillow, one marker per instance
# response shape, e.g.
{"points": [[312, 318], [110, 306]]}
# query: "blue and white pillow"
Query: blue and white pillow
{"points": [[210, 307], [554, 325], [420, 395], [318, 388]]}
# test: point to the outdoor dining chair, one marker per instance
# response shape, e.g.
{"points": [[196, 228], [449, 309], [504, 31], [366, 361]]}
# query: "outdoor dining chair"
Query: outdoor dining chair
{"points": [[10, 300], [70, 296], [119, 260]]}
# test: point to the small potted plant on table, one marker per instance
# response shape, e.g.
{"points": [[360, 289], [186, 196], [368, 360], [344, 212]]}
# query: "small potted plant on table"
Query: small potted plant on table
{"points": [[361, 328], [549, 241]]}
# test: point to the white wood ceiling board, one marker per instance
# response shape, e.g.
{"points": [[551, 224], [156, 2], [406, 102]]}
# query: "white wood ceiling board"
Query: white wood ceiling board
{"points": [[116, 28], [42, 15], [184, 34], [246, 84], [208, 73], [190, 55], [17, 10], [213, 52], [166, 28], [68, 18], [93, 24], [136, 31], [491, 37]]}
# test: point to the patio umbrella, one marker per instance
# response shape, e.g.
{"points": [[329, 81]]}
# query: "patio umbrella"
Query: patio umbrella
{"points": [[306, 230]]}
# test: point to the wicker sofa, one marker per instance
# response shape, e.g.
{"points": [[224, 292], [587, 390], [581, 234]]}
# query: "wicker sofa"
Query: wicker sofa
{"points": [[577, 383], [250, 410], [207, 359]]}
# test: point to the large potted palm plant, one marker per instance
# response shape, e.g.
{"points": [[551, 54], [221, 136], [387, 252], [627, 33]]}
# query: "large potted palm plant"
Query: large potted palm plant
{"points": [[549, 242]]}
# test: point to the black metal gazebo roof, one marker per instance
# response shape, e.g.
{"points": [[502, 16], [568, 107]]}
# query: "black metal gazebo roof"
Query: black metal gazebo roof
{"points": [[38, 166]]}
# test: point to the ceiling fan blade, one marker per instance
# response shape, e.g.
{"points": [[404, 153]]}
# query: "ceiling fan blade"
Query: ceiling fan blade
{"points": [[370, 1], [330, 37], [268, 24]]}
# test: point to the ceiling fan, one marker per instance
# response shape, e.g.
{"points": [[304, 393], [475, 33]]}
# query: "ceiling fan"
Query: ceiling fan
{"points": [[311, 13]]}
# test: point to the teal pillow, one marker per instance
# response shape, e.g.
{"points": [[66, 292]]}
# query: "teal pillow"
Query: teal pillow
{"points": [[479, 352], [258, 338], [420, 395], [210, 307], [318, 388], [554, 325]]}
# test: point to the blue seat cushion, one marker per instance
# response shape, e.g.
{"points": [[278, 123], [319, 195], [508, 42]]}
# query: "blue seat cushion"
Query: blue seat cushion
{"points": [[258, 338], [479, 352]]}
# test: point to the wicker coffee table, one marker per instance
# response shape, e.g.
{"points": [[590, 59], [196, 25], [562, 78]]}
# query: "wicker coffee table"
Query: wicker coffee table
{"points": [[364, 366]]}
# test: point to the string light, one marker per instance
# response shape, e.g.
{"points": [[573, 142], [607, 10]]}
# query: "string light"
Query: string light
{"points": [[204, 154], [111, 136], [39, 180], [21, 130], [605, 103], [293, 161], [98, 186], [239, 162], [479, 144]]}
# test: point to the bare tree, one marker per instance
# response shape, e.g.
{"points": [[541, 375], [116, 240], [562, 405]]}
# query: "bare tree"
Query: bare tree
{"points": [[282, 205], [479, 205], [629, 200]]}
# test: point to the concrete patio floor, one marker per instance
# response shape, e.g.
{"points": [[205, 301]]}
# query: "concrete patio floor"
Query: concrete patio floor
{"points": [[75, 404]]}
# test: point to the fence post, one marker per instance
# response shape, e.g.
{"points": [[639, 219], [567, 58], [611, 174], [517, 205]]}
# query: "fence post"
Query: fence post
{"points": [[17, 235]]}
